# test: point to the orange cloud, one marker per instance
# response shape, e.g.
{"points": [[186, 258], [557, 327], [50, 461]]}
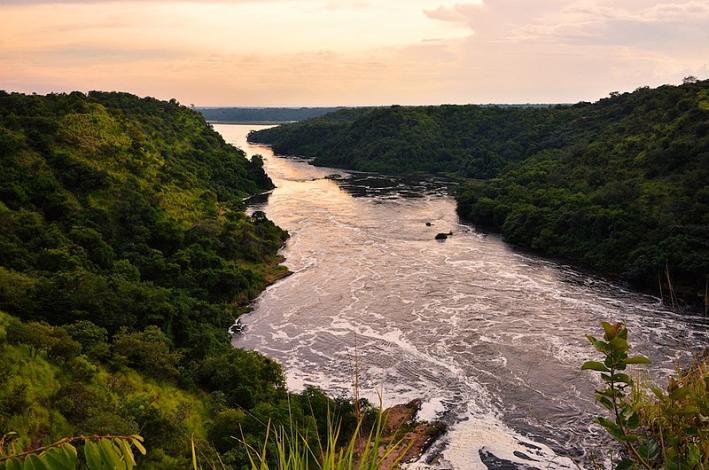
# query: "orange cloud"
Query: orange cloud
{"points": [[332, 52]]}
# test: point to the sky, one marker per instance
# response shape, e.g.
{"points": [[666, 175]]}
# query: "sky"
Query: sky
{"points": [[352, 52]]}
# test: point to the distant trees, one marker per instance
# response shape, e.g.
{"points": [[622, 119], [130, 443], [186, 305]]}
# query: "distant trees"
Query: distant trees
{"points": [[262, 114], [618, 185]]}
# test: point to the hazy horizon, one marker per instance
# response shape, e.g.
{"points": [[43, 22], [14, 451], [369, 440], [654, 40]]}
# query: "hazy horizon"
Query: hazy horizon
{"points": [[299, 106]]}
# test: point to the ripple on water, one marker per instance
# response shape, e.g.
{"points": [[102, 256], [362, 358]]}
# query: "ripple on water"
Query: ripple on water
{"points": [[490, 338]]}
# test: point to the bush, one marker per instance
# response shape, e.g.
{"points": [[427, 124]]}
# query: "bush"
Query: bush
{"points": [[226, 429], [41, 337], [148, 350], [658, 428], [92, 338]]}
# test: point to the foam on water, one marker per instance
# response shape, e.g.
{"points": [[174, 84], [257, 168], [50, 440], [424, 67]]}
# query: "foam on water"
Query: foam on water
{"points": [[489, 338]]}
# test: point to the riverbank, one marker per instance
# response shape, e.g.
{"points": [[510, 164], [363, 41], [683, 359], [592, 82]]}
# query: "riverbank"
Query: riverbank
{"points": [[489, 337], [683, 299], [617, 186]]}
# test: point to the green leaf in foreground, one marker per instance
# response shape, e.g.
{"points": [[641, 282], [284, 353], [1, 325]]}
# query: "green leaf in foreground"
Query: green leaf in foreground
{"points": [[594, 365]]}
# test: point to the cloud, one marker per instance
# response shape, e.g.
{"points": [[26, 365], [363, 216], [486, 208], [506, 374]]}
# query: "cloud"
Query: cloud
{"points": [[295, 52], [662, 25], [462, 13], [584, 22], [549, 50], [91, 55]]}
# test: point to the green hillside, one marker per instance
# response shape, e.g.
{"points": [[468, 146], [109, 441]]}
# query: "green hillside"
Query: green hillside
{"points": [[619, 186], [125, 255], [470, 141]]}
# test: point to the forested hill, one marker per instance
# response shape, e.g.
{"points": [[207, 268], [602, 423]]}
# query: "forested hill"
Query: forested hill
{"points": [[619, 185], [125, 255], [262, 115], [471, 141]]}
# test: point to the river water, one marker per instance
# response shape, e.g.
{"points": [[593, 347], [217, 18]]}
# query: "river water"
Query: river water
{"points": [[489, 337]]}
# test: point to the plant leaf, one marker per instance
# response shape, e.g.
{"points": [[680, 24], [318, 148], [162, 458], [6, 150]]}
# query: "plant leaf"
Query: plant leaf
{"points": [[638, 360], [611, 331], [619, 344], [625, 464], [92, 454], [594, 365], [61, 458], [137, 443], [612, 428]]}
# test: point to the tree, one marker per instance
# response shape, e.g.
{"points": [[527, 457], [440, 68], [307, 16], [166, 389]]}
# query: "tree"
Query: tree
{"points": [[93, 338], [41, 337], [148, 350]]}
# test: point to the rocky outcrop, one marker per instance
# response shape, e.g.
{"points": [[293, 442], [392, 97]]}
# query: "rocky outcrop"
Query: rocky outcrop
{"points": [[404, 438]]}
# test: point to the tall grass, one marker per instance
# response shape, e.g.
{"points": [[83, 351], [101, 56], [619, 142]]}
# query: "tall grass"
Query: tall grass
{"points": [[287, 448]]}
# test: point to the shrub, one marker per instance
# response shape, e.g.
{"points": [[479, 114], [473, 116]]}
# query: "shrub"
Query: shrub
{"points": [[148, 350], [657, 428]]}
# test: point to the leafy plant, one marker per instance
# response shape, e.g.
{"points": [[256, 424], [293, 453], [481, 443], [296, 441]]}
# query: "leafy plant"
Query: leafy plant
{"points": [[99, 452], [287, 448], [658, 429]]}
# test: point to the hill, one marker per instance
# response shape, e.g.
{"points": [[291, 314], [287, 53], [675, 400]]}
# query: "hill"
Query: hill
{"points": [[618, 186], [261, 115], [125, 254]]}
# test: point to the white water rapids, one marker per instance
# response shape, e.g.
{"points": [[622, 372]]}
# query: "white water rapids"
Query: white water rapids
{"points": [[490, 337]]}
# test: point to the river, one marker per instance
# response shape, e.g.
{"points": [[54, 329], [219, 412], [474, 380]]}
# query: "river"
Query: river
{"points": [[489, 337]]}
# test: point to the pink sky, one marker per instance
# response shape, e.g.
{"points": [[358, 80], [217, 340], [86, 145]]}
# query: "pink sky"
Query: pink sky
{"points": [[352, 52]]}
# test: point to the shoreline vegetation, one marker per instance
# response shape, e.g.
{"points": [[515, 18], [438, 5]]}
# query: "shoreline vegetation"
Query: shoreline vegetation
{"points": [[617, 186], [125, 256]]}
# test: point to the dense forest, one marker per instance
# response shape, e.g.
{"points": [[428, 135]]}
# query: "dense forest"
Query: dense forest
{"points": [[125, 255], [263, 115], [618, 186]]}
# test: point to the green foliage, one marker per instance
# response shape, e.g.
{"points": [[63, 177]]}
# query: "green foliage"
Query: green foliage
{"points": [[658, 429], [99, 453], [470, 141], [55, 342], [92, 338], [618, 186], [125, 254], [628, 199], [149, 351], [289, 446]]}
